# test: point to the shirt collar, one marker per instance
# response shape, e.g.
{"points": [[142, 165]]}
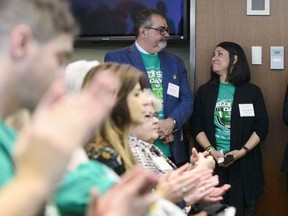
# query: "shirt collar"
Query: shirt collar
{"points": [[140, 49]]}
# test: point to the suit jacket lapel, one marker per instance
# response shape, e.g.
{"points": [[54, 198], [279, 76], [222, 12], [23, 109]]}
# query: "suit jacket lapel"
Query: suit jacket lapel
{"points": [[166, 73], [135, 57], [137, 62]]}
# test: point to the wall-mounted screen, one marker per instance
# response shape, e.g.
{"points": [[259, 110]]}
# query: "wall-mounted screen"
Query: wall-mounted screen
{"points": [[114, 19]]}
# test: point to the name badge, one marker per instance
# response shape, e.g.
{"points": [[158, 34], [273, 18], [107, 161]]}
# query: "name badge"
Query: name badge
{"points": [[162, 164], [246, 110], [173, 90]]}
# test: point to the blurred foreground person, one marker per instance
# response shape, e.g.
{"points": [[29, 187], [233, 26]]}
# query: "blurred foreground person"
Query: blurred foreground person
{"points": [[36, 38], [73, 193]]}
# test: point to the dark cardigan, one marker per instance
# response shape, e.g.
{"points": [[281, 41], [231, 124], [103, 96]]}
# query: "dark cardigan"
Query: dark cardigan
{"points": [[284, 167], [285, 108], [246, 174]]}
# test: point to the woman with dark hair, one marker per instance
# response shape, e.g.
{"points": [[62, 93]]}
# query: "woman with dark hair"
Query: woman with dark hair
{"points": [[229, 121]]}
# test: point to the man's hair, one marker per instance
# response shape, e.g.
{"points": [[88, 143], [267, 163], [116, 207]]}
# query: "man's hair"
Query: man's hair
{"points": [[143, 18], [46, 18]]}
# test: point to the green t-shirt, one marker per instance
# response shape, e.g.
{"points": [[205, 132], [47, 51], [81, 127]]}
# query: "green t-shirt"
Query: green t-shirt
{"points": [[73, 193], [153, 68], [7, 139], [222, 116]]}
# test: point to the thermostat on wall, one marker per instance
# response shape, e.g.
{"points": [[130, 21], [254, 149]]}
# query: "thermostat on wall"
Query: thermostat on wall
{"points": [[277, 57]]}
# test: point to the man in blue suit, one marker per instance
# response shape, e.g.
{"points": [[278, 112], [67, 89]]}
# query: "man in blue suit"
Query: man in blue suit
{"points": [[167, 79]]}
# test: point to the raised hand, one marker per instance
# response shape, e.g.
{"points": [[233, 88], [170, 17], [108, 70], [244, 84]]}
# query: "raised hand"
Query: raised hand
{"points": [[216, 194], [130, 197], [205, 185], [180, 183], [201, 160], [60, 124]]}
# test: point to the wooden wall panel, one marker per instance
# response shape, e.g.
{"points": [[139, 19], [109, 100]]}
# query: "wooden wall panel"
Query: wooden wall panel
{"points": [[226, 20]]}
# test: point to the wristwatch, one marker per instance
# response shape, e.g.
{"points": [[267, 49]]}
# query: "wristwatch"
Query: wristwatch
{"points": [[174, 123]]}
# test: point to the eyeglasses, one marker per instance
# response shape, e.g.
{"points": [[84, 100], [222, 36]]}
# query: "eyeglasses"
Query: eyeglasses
{"points": [[150, 117], [161, 29]]}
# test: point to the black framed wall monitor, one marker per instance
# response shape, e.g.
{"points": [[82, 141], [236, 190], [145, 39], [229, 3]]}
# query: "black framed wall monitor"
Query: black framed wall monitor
{"points": [[114, 19]]}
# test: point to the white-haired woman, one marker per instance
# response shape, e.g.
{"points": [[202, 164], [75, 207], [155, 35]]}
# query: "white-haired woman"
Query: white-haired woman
{"points": [[173, 185]]}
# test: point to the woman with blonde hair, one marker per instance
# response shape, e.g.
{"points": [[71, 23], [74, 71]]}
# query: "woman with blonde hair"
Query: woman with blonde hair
{"points": [[74, 192], [111, 143]]}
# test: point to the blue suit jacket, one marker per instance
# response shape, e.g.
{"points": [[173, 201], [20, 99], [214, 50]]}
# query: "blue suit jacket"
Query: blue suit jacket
{"points": [[174, 72]]}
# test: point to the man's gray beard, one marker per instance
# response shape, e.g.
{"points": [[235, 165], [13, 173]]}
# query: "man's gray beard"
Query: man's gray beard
{"points": [[162, 44]]}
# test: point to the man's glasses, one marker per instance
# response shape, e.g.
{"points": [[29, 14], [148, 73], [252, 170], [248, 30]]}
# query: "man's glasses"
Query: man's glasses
{"points": [[150, 117], [162, 29]]}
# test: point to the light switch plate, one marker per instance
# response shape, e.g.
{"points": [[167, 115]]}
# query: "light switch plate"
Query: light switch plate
{"points": [[256, 55]]}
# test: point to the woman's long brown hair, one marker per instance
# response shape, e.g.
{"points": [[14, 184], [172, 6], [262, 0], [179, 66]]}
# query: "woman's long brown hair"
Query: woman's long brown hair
{"points": [[115, 129]]}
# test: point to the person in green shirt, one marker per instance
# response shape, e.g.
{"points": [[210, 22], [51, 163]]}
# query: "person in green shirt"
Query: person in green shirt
{"points": [[167, 78], [36, 38], [230, 121]]}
